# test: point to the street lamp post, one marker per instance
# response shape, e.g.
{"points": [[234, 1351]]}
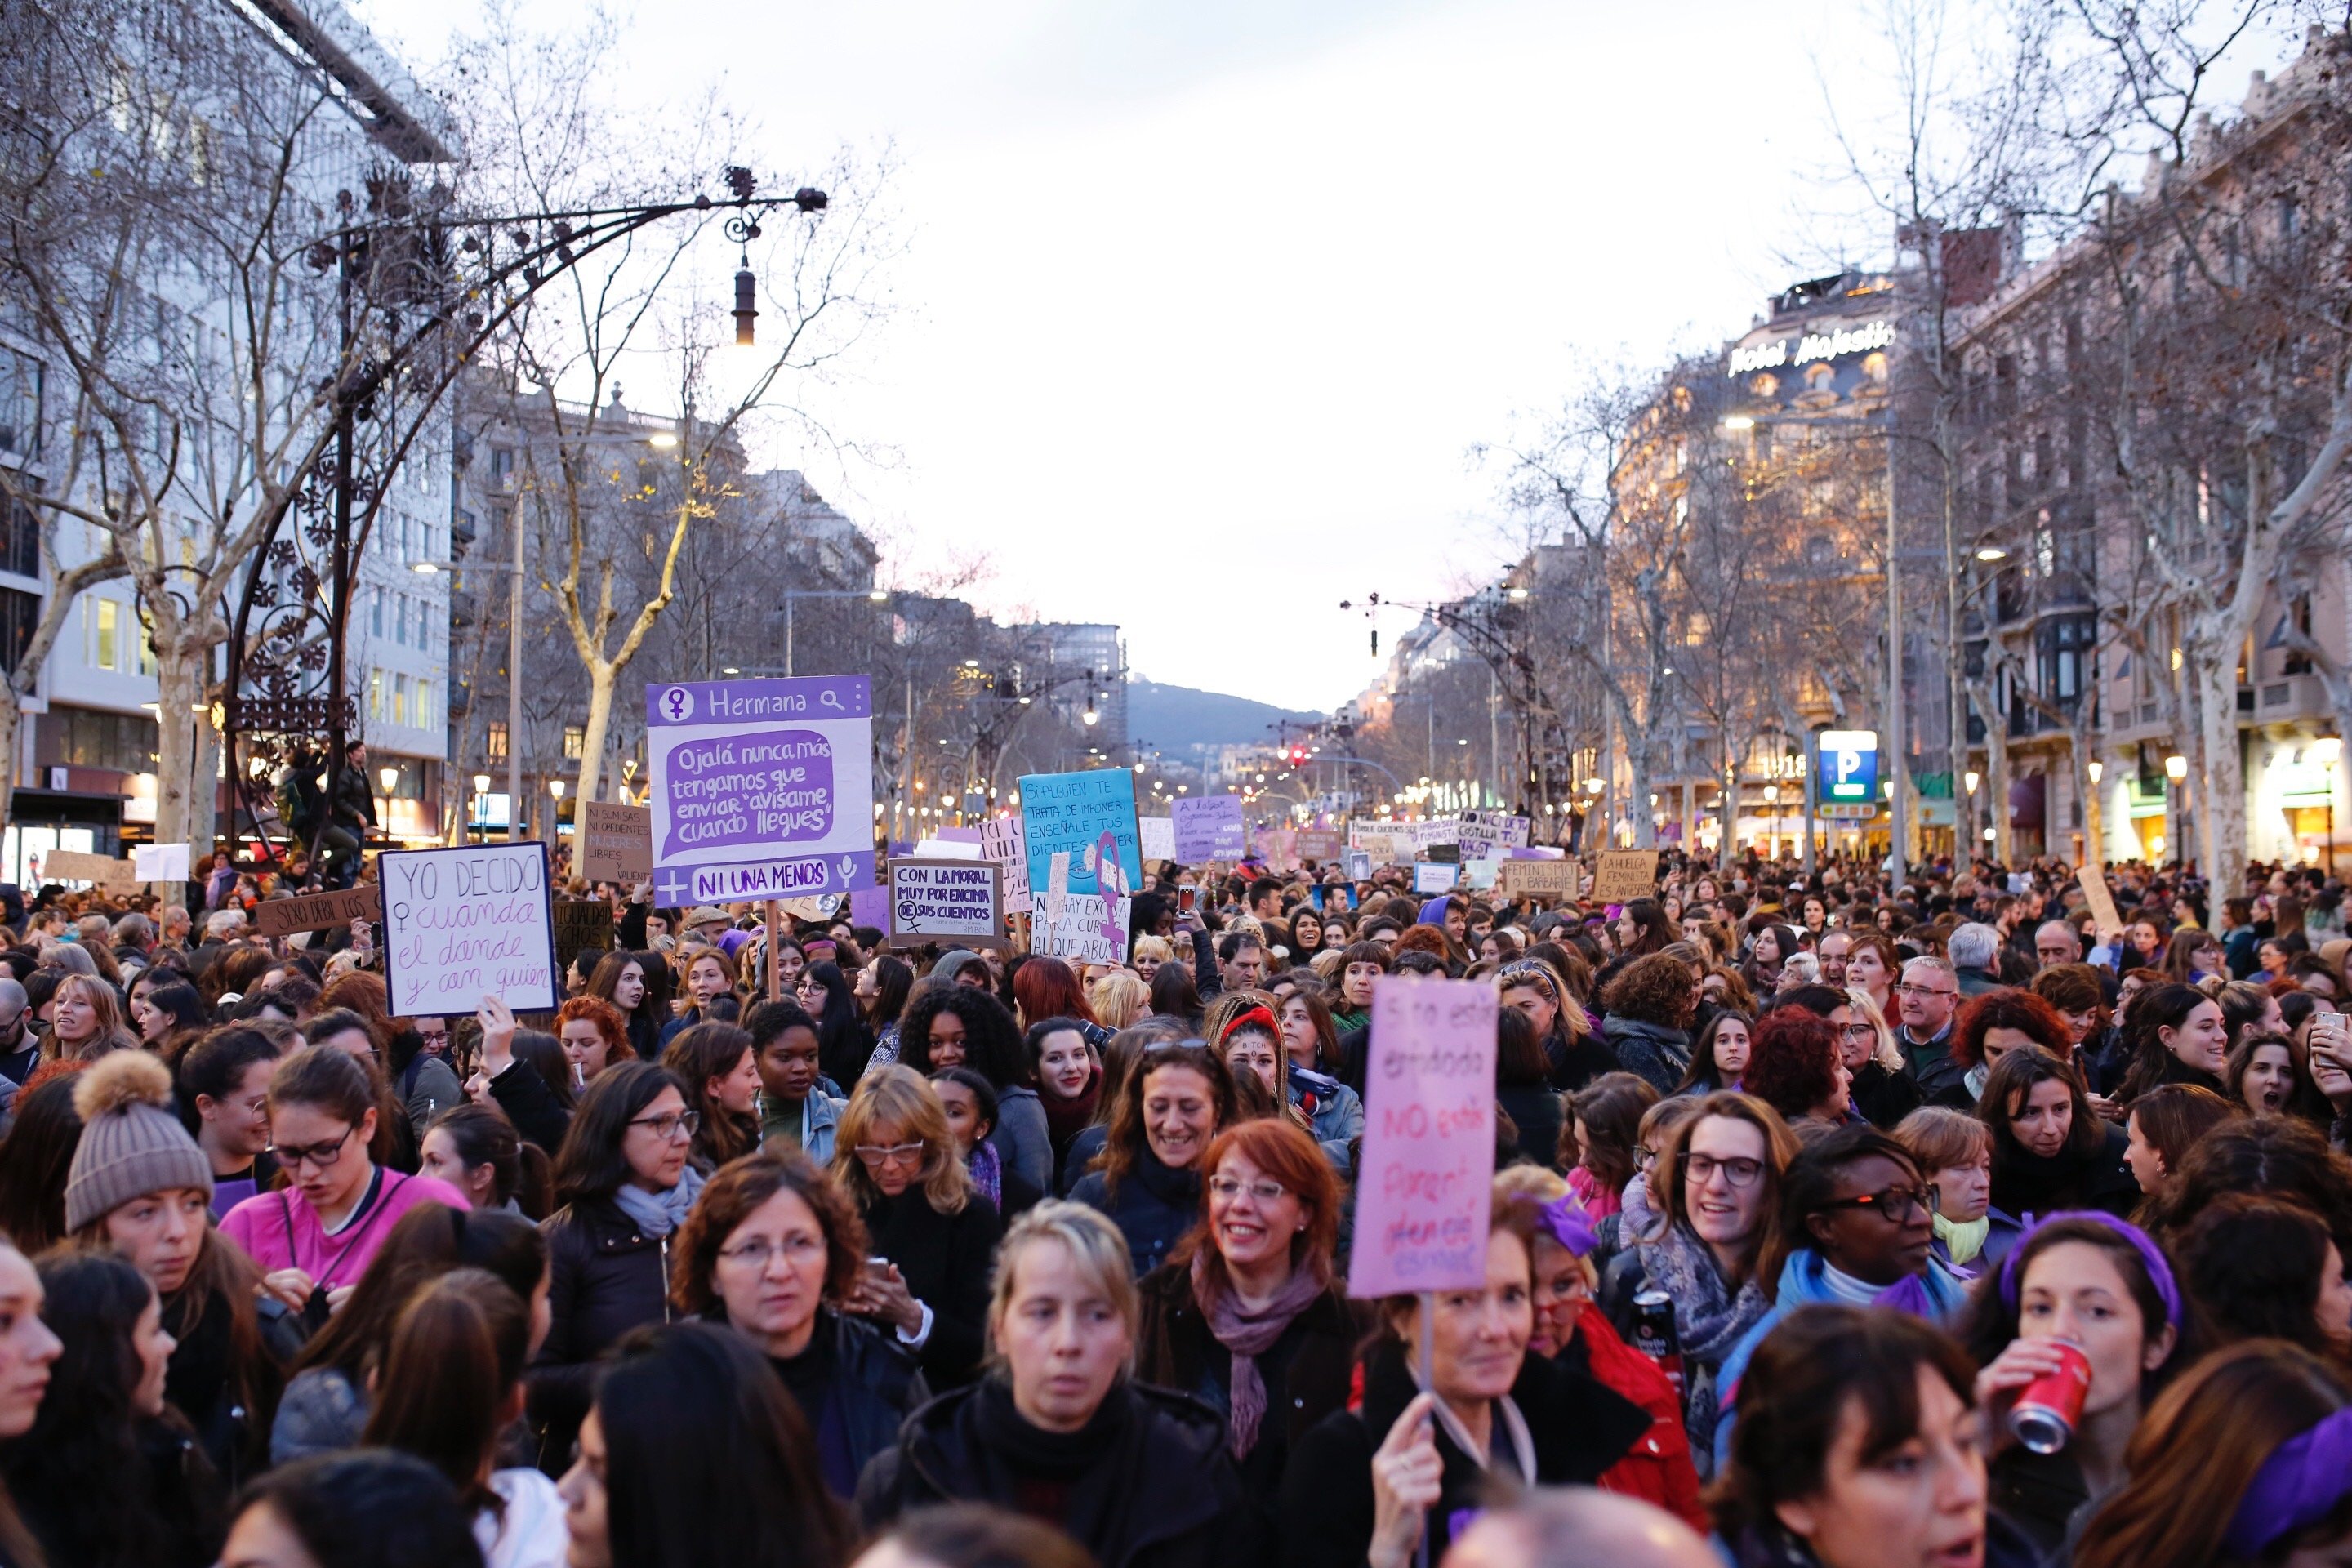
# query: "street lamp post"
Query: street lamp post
{"points": [[1967, 836], [877, 595], [2328, 750], [481, 796], [2176, 774]]}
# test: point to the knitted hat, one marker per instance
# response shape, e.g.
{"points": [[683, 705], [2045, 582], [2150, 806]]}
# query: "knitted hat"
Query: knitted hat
{"points": [[131, 1144]]}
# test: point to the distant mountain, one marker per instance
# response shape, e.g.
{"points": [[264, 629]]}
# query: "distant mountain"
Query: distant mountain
{"points": [[1174, 720]]}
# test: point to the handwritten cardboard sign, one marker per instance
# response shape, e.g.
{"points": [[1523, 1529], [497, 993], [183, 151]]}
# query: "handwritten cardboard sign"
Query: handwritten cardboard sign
{"points": [[318, 912], [617, 841], [463, 925], [1320, 845], [1556, 879], [1483, 835], [956, 903], [102, 871], [1624, 875], [1158, 836], [582, 925], [1429, 1138], [1002, 840], [1432, 877], [2102, 901], [1210, 829], [160, 862]]}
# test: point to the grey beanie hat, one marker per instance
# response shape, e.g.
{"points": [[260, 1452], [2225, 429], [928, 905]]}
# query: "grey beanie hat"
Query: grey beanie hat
{"points": [[131, 1144]]}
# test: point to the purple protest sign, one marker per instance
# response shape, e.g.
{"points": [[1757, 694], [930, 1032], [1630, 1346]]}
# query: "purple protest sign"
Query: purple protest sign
{"points": [[1210, 829], [760, 789], [1428, 1152]]}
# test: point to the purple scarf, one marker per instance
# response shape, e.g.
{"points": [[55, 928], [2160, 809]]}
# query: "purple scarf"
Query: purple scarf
{"points": [[1248, 1335], [987, 1172]]}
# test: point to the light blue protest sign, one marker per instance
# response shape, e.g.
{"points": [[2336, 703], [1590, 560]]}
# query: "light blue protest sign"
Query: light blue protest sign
{"points": [[760, 789], [1090, 818]]}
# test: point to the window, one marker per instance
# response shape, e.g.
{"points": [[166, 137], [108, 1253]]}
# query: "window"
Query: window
{"points": [[574, 739], [375, 695], [375, 613], [106, 634], [502, 467], [423, 715], [400, 699], [496, 746], [20, 404]]}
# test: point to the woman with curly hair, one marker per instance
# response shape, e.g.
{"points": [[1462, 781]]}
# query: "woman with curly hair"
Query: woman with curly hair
{"points": [[1795, 1068], [1993, 1024], [1646, 1018], [964, 1026], [596, 1036]]}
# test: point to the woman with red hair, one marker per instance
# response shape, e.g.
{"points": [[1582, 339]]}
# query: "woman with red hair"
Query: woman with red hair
{"points": [[1794, 1066], [1047, 987], [1991, 1027], [1248, 1313]]}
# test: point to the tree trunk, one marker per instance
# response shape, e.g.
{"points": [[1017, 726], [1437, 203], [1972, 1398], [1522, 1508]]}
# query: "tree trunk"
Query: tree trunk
{"points": [[12, 725], [603, 678], [2222, 806], [179, 686]]}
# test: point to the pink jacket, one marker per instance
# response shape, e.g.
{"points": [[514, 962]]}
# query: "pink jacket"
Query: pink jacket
{"points": [[280, 1231]]}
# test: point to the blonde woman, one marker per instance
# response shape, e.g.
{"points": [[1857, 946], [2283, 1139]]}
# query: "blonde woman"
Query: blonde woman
{"points": [[1150, 952], [1060, 1413], [929, 1235], [85, 1021], [1884, 1091], [1119, 997]]}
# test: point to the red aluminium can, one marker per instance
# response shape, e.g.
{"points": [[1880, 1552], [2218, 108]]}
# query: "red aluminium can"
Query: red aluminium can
{"points": [[2049, 1408]]}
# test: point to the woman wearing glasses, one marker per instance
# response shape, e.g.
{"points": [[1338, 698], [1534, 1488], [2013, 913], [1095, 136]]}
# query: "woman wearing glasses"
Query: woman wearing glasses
{"points": [[1248, 1313], [314, 1237], [1855, 1228], [626, 1186], [772, 1251], [1882, 1089], [1719, 1180], [925, 1281]]}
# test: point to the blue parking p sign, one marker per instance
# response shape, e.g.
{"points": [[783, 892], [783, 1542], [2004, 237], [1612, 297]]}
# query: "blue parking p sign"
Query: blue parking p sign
{"points": [[1849, 764]]}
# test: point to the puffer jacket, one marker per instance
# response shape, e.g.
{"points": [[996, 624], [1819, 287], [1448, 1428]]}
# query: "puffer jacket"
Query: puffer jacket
{"points": [[605, 1277]]}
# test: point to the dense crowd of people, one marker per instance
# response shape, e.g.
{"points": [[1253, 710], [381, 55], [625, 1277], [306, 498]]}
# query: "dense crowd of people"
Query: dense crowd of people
{"points": [[1835, 1221]]}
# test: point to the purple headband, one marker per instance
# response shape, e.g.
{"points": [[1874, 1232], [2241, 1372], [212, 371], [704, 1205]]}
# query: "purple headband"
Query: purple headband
{"points": [[1564, 1216], [2302, 1482], [2159, 1271]]}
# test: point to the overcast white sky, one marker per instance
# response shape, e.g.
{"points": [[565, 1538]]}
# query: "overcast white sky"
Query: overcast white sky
{"points": [[1205, 299]]}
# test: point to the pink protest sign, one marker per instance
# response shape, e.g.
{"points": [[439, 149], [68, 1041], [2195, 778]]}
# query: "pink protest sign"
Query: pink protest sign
{"points": [[1429, 1139]]}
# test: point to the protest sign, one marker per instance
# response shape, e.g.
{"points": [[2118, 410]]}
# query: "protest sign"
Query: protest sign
{"points": [[1554, 879], [1429, 1139], [1432, 877], [1209, 829], [318, 912], [582, 925], [956, 903], [1320, 845], [1624, 875], [1090, 818], [1356, 865], [1002, 840], [616, 842], [1386, 842], [1158, 836], [463, 925], [2103, 916], [160, 862], [102, 871], [870, 907], [762, 789], [1483, 835]]}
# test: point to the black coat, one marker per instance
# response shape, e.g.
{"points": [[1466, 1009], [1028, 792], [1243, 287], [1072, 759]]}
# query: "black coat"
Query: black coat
{"points": [[1885, 1097], [869, 1383], [1579, 1429], [1154, 1207], [1307, 1374], [1175, 1502], [605, 1277], [531, 1106], [945, 1260], [1535, 1110], [2023, 1183]]}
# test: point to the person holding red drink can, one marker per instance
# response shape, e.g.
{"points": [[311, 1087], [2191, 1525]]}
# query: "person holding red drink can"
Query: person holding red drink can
{"points": [[2076, 1332]]}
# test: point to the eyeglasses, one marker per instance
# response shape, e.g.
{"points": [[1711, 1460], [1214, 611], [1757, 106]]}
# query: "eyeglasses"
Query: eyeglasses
{"points": [[758, 1253], [320, 1154], [670, 1127], [1860, 1032], [883, 1153], [1897, 1203], [1698, 1169], [1645, 1156], [1908, 989], [1263, 1190]]}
